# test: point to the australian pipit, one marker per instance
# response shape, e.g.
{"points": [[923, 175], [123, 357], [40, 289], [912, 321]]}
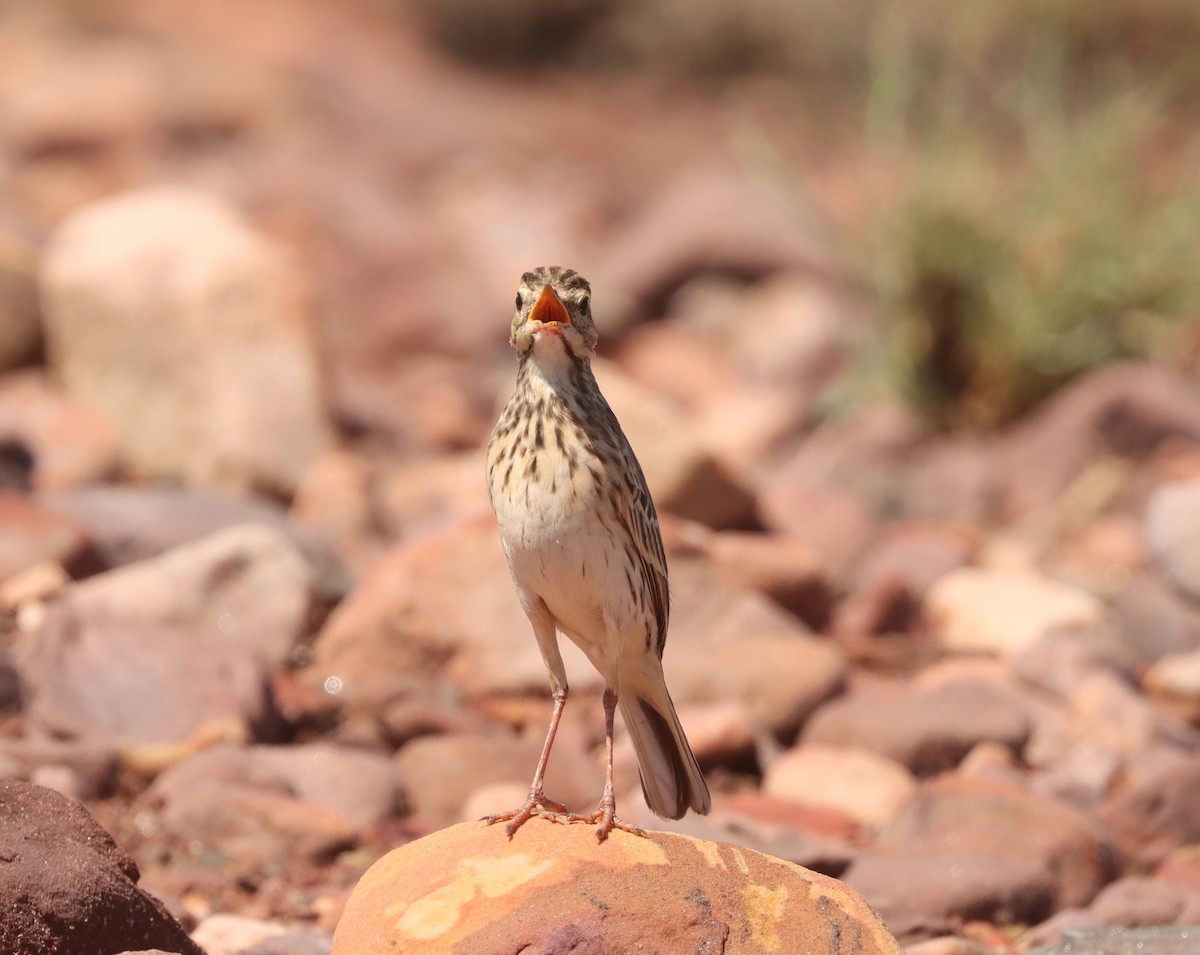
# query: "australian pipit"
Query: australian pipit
{"points": [[582, 540]]}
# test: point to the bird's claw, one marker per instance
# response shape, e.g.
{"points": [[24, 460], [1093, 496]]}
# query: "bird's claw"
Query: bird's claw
{"points": [[605, 819], [537, 805]]}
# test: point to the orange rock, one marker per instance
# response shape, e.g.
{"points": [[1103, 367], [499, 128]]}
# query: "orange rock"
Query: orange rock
{"points": [[552, 888]]}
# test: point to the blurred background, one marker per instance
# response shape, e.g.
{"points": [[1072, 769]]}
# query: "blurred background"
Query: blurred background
{"points": [[975, 204], [992, 199], [886, 293]]}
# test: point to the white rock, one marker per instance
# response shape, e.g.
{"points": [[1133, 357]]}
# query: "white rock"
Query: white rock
{"points": [[1003, 611], [1173, 529], [866, 786], [224, 934], [1175, 680], [166, 311]]}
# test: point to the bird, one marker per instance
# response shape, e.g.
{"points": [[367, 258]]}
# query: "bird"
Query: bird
{"points": [[582, 540]]}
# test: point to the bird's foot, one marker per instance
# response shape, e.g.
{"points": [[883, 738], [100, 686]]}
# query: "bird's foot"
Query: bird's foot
{"points": [[537, 805], [605, 820]]}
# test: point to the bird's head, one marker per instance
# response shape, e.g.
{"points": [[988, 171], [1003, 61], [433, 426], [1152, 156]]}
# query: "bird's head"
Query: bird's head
{"points": [[554, 309]]}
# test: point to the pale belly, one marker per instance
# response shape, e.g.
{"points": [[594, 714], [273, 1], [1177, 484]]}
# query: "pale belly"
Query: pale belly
{"points": [[565, 545], [560, 552]]}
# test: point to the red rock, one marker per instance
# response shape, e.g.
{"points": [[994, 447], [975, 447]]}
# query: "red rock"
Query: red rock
{"points": [[956, 816], [786, 570], [685, 477], [1157, 813], [252, 823], [249, 580], [753, 422], [1060, 662], [411, 621], [762, 808], [817, 839], [1142, 900], [677, 362], [196, 629], [1082, 774], [862, 455], [803, 329], [31, 534], [917, 554], [1053, 929], [713, 219], [835, 524], [442, 772], [27, 592], [293, 941], [75, 692], [364, 788], [951, 480], [893, 576], [719, 733], [920, 895], [91, 768], [336, 499], [148, 951], [428, 495], [1123, 409], [98, 96], [1181, 867], [70, 443], [1108, 710], [551, 888], [745, 648], [129, 524], [926, 728], [88, 899]]}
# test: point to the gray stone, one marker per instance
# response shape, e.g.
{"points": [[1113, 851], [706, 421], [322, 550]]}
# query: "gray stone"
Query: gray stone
{"points": [[1161, 940]]}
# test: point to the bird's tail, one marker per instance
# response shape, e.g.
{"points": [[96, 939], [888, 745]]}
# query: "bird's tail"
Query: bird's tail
{"points": [[671, 779]]}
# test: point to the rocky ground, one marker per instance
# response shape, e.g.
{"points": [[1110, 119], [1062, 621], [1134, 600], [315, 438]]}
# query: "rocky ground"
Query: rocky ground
{"points": [[256, 267]]}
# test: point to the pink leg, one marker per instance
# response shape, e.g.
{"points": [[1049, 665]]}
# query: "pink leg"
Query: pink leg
{"points": [[606, 814], [537, 804]]}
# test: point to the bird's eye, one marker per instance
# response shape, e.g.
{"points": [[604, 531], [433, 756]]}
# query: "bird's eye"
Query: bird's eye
{"points": [[518, 300], [584, 301]]}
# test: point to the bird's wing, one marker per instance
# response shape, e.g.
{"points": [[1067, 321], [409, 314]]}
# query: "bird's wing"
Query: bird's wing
{"points": [[641, 522]]}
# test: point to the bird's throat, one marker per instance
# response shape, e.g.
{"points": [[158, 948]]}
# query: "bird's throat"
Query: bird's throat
{"points": [[550, 363]]}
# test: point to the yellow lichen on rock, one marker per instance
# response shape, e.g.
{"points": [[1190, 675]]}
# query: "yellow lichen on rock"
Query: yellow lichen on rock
{"points": [[765, 908], [437, 913]]}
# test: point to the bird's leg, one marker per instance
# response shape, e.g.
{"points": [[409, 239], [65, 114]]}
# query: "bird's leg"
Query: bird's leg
{"points": [[606, 814], [537, 804]]}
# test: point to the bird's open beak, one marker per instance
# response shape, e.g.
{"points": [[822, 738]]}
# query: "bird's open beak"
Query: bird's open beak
{"points": [[549, 309]]}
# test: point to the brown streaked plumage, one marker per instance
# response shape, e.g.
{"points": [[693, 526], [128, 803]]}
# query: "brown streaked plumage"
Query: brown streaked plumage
{"points": [[582, 540]]}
